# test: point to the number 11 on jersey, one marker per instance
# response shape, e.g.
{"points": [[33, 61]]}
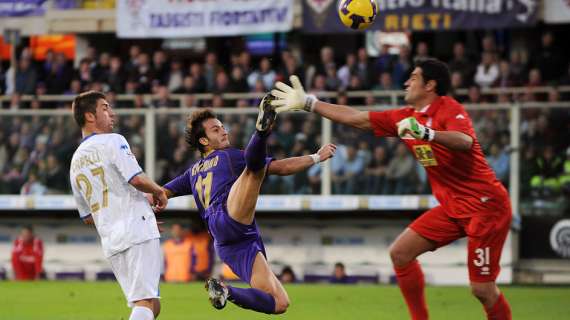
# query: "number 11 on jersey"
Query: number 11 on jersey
{"points": [[204, 189]]}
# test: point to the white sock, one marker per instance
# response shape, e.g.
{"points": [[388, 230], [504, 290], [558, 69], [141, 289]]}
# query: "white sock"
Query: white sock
{"points": [[141, 313]]}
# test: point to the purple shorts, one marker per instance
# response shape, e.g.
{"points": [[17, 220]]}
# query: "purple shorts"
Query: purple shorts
{"points": [[237, 244]]}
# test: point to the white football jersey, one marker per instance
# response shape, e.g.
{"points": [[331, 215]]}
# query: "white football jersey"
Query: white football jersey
{"points": [[100, 171]]}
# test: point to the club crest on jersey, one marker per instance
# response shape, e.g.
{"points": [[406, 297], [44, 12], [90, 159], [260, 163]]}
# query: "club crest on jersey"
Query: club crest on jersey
{"points": [[424, 154]]}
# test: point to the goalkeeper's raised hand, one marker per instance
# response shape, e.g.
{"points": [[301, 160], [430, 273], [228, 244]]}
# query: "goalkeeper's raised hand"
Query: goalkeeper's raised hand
{"points": [[412, 127], [293, 98]]}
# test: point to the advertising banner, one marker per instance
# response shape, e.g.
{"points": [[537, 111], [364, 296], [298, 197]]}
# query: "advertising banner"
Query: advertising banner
{"points": [[321, 16], [22, 8], [201, 18]]}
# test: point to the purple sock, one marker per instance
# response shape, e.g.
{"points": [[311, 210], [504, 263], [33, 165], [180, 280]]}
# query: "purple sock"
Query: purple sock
{"points": [[252, 299], [256, 151]]}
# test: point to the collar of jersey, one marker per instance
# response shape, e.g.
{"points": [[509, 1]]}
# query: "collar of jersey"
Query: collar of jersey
{"points": [[89, 136], [431, 108]]}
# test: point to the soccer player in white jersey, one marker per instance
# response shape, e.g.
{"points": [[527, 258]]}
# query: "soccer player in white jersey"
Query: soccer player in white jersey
{"points": [[109, 188]]}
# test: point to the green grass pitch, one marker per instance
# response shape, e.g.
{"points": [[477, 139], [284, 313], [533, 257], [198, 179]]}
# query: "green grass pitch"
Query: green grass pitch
{"points": [[104, 300]]}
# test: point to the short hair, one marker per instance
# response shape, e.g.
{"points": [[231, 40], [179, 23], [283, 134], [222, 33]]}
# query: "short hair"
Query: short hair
{"points": [[85, 102], [433, 69], [195, 128]]}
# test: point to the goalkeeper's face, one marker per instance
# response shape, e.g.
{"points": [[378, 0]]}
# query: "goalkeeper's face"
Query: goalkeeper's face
{"points": [[216, 135], [415, 87]]}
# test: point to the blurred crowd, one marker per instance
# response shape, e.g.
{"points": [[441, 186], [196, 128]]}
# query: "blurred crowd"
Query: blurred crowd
{"points": [[35, 151]]}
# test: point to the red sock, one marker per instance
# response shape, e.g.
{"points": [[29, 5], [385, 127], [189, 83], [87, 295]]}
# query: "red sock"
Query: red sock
{"points": [[411, 282], [500, 311]]}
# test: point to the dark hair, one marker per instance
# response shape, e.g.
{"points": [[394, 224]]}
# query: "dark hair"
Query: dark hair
{"points": [[29, 228], [85, 102], [195, 129], [433, 69]]}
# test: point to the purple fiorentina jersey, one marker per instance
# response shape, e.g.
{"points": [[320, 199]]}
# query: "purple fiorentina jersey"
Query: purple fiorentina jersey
{"points": [[210, 180]]}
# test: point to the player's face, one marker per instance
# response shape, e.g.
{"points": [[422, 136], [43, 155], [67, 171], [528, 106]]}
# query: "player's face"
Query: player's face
{"points": [[415, 87], [217, 135], [104, 117]]}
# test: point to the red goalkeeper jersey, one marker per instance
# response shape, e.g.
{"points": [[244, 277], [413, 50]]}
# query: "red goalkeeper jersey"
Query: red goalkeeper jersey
{"points": [[462, 181]]}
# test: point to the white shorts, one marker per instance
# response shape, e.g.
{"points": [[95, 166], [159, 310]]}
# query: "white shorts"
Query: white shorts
{"points": [[138, 270]]}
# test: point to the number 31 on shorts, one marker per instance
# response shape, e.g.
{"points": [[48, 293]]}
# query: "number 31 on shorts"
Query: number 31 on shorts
{"points": [[482, 260]]}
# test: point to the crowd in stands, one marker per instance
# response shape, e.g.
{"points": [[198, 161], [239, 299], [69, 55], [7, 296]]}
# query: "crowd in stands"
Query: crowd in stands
{"points": [[35, 151]]}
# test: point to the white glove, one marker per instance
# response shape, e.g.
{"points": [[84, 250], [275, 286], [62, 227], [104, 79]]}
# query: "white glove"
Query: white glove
{"points": [[292, 98], [411, 126]]}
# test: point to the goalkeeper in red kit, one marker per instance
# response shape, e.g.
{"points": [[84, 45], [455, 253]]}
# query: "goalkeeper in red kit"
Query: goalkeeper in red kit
{"points": [[473, 203]]}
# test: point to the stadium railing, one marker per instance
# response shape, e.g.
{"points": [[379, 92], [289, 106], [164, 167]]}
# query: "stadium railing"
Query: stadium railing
{"points": [[325, 199]]}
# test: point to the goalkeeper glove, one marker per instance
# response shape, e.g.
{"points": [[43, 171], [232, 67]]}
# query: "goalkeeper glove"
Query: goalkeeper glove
{"points": [[294, 98], [411, 126]]}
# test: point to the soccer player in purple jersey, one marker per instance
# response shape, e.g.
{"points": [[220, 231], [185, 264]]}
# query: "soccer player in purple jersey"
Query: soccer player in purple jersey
{"points": [[225, 184]]}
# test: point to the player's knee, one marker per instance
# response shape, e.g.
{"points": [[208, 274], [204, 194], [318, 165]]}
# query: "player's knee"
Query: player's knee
{"points": [[281, 304], [156, 307], [485, 294], [399, 256]]}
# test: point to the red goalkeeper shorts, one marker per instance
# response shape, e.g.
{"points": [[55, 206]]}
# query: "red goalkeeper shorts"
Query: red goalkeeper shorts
{"points": [[486, 232]]}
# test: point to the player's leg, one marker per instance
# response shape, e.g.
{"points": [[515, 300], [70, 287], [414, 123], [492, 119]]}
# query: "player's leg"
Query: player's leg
{"points": [[486, 238], [426, 233], [266, 293], [244, 192], [143, 310]]}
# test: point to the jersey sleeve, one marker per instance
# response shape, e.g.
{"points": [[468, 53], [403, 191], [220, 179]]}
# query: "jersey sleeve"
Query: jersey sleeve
{"points": [[124, 159], [180, 185], [457, 119], [82, 205], [384, 122]]}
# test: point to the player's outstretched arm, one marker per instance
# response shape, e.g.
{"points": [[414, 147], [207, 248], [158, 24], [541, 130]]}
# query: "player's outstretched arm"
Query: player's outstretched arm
{"points": [[293, 165], [294, 98], [143, 183]]}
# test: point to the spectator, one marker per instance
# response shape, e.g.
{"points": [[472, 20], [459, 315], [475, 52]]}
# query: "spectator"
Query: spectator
{"points": [[33, 186], [27, 255], [116, 76], [400, 171], [222, 82], [547, 59], [202, 252], [422, 51], [461, 63], [403, 67], [517, 64], [199, 79], [163, 99], [175, 77], [487, 71], [364, 69], [55, 177], [505, 78], [177, 256], [161, 67], [211, 69], [327, 60], [143, 73], [385, 60], [549, 166], [339, 274], [238, 82], [347, 70], [347, 177], [498, 159], [26, 77], [376, 171], [83, 74], [264, 73], [287, 275]]}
